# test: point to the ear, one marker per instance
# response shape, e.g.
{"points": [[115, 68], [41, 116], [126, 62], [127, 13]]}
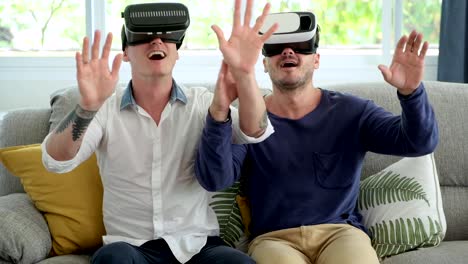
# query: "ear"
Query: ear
{"points": [[265, 68], [125, 55], [317, 61]]}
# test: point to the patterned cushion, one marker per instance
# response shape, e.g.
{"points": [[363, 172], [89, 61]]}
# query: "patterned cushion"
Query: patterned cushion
{"points": [[229, 216], [402, 206]]}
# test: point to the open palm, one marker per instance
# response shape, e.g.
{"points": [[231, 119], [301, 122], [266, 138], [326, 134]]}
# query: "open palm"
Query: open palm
{"points": [[95, 81], [407, 68], [242, 49]]}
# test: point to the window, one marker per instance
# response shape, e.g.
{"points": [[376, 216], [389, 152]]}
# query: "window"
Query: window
{"points": [[29, 28], [356, 35], [59, 25], [424, 16], [203, 14]]}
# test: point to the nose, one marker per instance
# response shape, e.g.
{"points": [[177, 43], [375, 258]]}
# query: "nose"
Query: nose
{"points": [[287, 51], [156, 41]]}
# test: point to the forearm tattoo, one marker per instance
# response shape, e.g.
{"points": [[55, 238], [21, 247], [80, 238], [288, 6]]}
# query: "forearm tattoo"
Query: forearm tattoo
{"points": [[79, 118]]}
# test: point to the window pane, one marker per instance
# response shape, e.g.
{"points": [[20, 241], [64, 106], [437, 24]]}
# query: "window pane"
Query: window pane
{"points": [[27, 26], [46, 25], [423, 16], [354, 23], [203, 14]]}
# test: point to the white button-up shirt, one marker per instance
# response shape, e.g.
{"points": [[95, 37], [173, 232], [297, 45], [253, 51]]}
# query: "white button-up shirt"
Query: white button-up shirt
{"points": [[147, 170]]}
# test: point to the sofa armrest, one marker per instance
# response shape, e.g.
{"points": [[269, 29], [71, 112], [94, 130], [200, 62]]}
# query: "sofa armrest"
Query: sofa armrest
{"points": [[25, 236]]}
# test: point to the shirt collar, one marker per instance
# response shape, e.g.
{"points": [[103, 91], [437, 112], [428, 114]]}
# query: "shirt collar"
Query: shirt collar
{"points": [[176, 94]]}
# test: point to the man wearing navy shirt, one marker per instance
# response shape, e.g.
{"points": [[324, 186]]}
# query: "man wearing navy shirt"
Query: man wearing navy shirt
{"points": [[303, 181]]}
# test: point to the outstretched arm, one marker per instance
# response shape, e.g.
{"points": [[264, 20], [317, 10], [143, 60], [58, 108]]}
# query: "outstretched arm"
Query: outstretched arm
{"points": [[240, 53], [415, 132], [96, 83]]}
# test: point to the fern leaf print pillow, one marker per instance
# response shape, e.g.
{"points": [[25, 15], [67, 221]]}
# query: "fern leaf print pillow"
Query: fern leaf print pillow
{"points": [[402, 206]]}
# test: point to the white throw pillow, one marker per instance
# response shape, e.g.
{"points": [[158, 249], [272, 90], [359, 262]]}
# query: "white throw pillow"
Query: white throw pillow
{"points": [[402, 206]]}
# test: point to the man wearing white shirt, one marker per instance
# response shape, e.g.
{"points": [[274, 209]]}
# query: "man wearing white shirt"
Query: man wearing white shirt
{"points": [[145, 139]]}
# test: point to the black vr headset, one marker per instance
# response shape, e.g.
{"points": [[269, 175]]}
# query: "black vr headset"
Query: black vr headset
{"points": [[144, 22], [297, 30]]}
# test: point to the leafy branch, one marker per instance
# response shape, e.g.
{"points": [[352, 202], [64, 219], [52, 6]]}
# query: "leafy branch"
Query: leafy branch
{"points": [[399, 236], [388, 187], [228, 214], [53, 10]]}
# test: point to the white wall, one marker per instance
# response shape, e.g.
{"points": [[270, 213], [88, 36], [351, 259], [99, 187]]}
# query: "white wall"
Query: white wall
{"points": [[26, 82]]}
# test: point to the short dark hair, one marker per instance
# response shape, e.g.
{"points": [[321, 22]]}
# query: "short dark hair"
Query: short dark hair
{"points": [[317, 38], [124, 38]]}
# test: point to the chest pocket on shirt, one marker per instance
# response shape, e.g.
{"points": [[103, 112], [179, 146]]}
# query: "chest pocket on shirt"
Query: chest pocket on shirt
{"points": [[329, 172]]}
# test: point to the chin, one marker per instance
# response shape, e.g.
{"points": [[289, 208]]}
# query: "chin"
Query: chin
{"points": [[289, 85]]}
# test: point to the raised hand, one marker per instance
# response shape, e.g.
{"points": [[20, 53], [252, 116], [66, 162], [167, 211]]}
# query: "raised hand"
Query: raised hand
{"points": [[240, 55], [95, 81], [242, 49], [407, 68]]}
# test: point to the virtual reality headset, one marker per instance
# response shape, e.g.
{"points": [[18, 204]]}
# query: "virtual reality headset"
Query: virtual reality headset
{"points": [[297, 30], [145, 22]]}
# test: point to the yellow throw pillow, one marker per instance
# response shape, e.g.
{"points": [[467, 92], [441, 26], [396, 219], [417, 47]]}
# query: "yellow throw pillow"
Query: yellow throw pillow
{"points": [[244, 207], [71, 202]]}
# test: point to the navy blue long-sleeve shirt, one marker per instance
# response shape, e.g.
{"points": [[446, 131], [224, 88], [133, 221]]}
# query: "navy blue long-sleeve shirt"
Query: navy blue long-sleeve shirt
{"points": [[308, 171]]}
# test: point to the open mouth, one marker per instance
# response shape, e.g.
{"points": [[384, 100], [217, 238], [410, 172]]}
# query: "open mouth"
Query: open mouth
{"points": [[157, 55], [288, 64]]}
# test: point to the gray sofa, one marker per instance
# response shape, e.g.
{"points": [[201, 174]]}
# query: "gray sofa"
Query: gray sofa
{"points": [[28, 126]]}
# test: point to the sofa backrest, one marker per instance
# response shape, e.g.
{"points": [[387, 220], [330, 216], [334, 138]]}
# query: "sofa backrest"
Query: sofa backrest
{"points": [[450, 102], [20, 127]]}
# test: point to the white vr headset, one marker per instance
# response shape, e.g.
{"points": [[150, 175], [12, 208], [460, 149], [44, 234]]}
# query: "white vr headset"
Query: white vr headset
{"points": [[297, 30]]}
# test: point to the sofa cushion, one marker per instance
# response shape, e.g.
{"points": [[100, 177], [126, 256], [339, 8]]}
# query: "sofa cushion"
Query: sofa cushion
{"points": [[63, 101], [449, 252], [71, 202], [402, 207], [68, 259], [20, 127], [24, 234]]}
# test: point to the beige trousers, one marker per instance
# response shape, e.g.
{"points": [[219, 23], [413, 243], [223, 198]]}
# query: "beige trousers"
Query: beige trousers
{"points": [[320, 244]]}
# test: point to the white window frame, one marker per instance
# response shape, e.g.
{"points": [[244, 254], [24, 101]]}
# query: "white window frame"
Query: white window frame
{"points": [[203, 66]]}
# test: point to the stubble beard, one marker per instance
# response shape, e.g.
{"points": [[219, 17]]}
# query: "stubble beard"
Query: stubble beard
{"points": [[289, 85]]}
